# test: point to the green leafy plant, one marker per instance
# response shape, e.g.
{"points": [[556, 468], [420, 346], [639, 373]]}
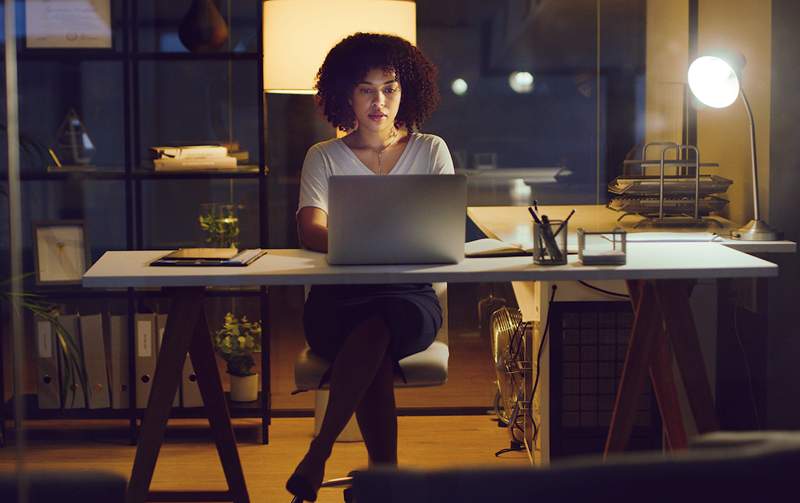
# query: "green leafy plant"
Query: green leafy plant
{"points": [[236, 341], [74, 371], [220, 222]]}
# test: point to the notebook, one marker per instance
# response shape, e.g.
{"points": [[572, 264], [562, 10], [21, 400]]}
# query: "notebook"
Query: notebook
{"points": [[193, 257]]}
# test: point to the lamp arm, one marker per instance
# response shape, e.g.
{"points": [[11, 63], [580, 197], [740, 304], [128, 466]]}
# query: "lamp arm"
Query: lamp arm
{"points": [[756, 206]]}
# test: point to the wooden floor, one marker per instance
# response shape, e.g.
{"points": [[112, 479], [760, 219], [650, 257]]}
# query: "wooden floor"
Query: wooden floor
{"points": [[188, 459]]}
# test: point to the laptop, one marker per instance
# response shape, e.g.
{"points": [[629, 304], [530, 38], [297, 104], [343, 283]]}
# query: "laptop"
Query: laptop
{"points": [[400, 219]]}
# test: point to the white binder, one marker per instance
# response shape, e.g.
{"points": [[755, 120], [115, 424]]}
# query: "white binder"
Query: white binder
{"points": [[145, 358], [94, 360], [118, 362], [74, 397], [190, 391], [161, 325], [48, 389]]}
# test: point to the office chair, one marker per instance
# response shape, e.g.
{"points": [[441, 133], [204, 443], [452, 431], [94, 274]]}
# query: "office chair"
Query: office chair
{"points": [[427, 368]]}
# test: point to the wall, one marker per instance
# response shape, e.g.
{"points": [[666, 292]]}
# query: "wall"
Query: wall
{"points": [[667, 60], [744, 26]]}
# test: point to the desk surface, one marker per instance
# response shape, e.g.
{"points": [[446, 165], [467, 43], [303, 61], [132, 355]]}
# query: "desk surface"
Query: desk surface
{"points": [[513, 224], [130, 269]]}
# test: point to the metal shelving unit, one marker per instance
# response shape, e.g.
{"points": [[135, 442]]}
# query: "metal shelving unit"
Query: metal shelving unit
{"points": [[126, 29]]}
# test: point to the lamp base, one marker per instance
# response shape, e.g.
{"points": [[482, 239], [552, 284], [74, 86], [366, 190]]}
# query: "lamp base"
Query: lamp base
{"points": [[756, 230]]}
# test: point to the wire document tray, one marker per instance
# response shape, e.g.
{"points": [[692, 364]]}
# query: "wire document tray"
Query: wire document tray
{"points": [[679, 191]]}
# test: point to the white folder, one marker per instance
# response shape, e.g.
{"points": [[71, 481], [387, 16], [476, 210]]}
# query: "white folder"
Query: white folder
{"points": [[118, 361], [48, 389], [161, 325], [94, 359], [145, 360], [74, 397], [190, 391]]}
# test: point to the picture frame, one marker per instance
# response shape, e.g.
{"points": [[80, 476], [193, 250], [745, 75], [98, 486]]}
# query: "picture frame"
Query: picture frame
{"points": [[61, 252], [78, 24]]}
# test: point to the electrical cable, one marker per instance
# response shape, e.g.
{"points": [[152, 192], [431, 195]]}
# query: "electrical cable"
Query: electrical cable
{"points": [[529, 405], [747, 368], [601, 290]]}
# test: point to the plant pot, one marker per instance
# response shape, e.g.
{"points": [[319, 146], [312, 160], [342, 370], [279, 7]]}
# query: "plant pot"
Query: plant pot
{"points": [[244, 388]]}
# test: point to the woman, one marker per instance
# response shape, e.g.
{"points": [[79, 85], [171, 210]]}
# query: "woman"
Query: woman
{"points": [[379, 89]]}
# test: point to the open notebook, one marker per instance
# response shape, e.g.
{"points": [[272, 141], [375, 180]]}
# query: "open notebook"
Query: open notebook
{"points": [[489, 247]]}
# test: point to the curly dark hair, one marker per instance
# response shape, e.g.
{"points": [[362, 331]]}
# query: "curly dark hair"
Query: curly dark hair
{"points": [[351, 59]]}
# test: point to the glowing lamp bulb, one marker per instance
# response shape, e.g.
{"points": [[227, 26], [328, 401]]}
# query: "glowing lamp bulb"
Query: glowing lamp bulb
{"points": [[713, 81]]}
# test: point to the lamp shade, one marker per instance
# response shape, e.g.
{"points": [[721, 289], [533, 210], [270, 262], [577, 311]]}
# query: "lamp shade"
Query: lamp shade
{"points": [[713, 81], [299, 33]]}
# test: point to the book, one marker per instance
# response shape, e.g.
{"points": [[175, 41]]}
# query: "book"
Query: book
{"points": [[190, 152], [207, 163], [489, 247]]}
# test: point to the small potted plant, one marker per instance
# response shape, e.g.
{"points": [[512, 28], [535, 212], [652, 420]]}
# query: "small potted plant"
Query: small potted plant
{"points": [[236, 342]]}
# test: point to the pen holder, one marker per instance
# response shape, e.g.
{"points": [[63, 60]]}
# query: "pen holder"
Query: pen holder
{"points": [[550, 243]]}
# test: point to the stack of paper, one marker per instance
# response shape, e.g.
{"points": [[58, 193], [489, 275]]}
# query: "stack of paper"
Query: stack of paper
{"points": [[192, 158]]}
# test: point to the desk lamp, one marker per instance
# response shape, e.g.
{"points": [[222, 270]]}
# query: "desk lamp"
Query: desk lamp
{"points": [[716, 83], [299, 33]]}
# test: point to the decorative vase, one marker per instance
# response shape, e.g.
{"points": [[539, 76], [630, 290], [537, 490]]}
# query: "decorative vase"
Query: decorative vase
{"points": [[244, 388], [203, 29], [74, 144]]}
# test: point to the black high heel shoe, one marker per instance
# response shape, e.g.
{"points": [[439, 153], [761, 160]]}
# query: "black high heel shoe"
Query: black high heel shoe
{"points": [[301, 489]]}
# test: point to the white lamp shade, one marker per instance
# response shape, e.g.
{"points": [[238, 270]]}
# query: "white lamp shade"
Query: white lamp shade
{"points": [[299, 33], [713, 81]]}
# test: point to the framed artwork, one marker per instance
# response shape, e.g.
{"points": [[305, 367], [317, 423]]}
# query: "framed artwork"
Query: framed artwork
{"points": [[73, 24], [61, 252]]}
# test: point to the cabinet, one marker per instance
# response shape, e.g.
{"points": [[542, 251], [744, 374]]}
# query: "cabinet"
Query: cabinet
{"points": [[145, 90]]}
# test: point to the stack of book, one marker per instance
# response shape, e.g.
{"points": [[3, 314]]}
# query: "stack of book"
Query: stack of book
{"points": [[192, 157]]}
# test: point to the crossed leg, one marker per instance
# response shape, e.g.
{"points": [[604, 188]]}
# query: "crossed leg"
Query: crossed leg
{"points": [[362, 358]]}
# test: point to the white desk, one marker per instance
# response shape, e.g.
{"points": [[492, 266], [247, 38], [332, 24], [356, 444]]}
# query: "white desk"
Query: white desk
{"points": [[652, 269], [513, 224]]}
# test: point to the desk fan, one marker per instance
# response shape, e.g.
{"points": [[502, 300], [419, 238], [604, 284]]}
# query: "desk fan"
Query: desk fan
{"points": [[508, 353]]}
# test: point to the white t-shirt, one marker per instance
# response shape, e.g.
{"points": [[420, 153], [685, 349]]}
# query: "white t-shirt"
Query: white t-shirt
{"points": [[425, 154]]}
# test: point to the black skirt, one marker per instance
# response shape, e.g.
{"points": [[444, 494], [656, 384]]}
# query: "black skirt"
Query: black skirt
{"points": [[411, 312]]}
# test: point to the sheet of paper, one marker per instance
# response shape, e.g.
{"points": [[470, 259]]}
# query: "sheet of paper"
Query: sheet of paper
{"points": [[670, 237], [65, 24]]}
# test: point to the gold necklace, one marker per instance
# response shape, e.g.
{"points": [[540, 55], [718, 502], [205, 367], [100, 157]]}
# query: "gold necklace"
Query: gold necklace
{"points": [[379, 152]]}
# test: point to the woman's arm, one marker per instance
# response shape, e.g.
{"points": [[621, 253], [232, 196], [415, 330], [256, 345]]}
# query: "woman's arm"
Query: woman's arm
{"points": [[312, 227]]}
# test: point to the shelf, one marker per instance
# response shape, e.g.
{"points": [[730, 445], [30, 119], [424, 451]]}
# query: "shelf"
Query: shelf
{"points": [[32, 411], [188, 56], [58, 292], [115, 55], [98, 174], [62, 55], [243, 171], [246, 171], [62, 292]]}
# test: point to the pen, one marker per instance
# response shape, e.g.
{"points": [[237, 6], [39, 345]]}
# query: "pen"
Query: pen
{"points": [[534, 215], [564, 223]]}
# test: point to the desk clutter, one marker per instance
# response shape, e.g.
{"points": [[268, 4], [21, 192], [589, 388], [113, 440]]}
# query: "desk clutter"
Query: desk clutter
{"points": [[87, 364], [678, 193]]}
